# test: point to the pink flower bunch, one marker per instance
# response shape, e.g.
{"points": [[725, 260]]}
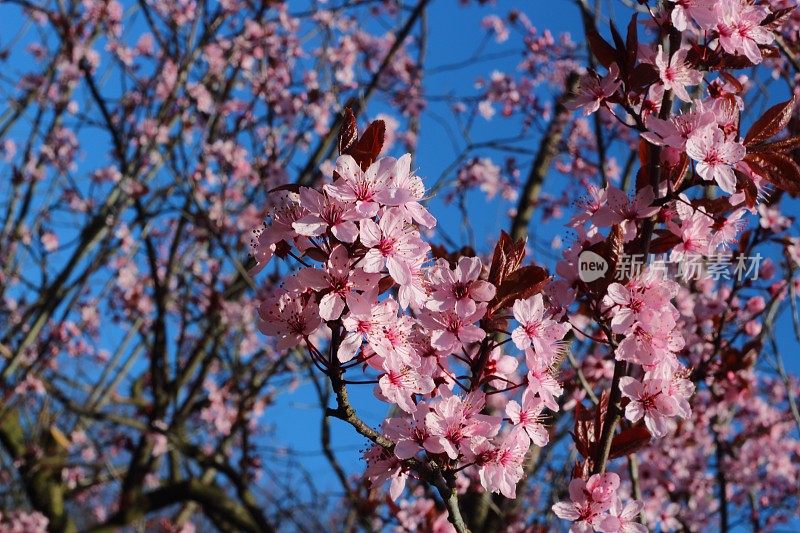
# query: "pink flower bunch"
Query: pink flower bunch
{"points": [[595, 506], [356, 238]]}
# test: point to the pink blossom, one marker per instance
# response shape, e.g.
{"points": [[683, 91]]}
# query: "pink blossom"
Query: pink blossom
{"points": [[338, 280], [391, 243], [325, 212], [404, 191], [500, 469], [527, 416], [649, 400], [401, 382], [415, 292], [544, 334], [698, 10], [383, 466], [364, 321], [676, 130], [590, 500], [740, 30], [453, 421], [289, 317], [652, 341], [715, 157], [695, 234], [359, 187], [675, 74], [619, 210], [594, 91], [459, 289], [408, 434], [541, 380], [623, 519], [450, 330]]}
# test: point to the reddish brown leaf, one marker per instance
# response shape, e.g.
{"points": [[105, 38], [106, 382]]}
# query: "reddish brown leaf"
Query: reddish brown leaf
{"points": [[519, 285], [582, 429], [507, 257], [499, 259], [643, 75], [366, 150], [770, 123], [629, 441], [619, 44], [631, 43], [739, 88], [664, 243], [643, 174], [348, 133], [778, 169], [291, 187], [782, 145], [385, 284], [775, 20], [676, 173], [316, 254], [606, 54], [713, 206]]}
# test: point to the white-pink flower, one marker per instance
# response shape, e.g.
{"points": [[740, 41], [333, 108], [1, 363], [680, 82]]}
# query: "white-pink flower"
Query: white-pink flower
{"points": [[501, 468], [289, 317], [404, 191], [590, 500], [325, 212], [649, 400], [401, 382], [459, 289], [544, 334], [594, 91], [740, 30], [619, 210], [450, 330], [675, 74], [393, 243], [715, 157], [338, 280], [364, 321], [359, 187], [528, 417]]}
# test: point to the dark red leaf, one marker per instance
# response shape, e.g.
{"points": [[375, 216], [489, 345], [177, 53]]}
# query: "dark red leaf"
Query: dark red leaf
{"points": [[366, 150], [385, 284], [507, 258], [629, 441], [348, 133], [733, 81], [519, 285], [713, 206], [775, 20], [770, 123], [498, 259], [291, 187], [643, 174], [664, 243], [618, 43], [632, 43], [316, 254], [779, 146], [606, 54], [643, 75], [778, 169]]}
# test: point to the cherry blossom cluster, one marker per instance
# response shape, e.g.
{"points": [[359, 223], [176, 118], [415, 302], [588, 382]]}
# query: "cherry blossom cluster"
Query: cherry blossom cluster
{"points": [[378, 299], [595, 506]]}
